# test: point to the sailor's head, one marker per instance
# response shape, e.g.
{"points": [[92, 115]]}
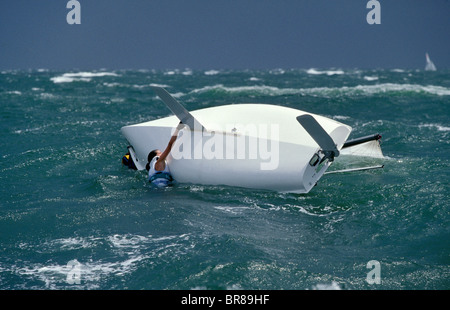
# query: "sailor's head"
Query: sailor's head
{"points": [[151, 155]]}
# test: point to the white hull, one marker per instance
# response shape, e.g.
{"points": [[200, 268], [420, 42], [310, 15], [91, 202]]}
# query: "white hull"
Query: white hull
{"points": [[276, 155]]}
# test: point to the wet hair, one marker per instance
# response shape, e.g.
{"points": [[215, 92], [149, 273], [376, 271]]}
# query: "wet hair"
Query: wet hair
{"points": [[150, 156]]}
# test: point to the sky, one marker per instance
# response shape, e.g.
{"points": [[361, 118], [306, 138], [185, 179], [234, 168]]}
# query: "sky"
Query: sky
{"points": [[223, 34]]}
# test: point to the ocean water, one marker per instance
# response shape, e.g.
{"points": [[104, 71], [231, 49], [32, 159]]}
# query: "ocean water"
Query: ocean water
{"points": [[73, 217]]}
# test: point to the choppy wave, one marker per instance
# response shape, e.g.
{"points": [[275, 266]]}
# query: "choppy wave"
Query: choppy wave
{"points": [[127, 251], [265, 90], [80, 76], [260, 90]]}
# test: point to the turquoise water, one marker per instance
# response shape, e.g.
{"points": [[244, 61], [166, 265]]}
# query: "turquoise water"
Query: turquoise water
{"points": [[65, 196]]}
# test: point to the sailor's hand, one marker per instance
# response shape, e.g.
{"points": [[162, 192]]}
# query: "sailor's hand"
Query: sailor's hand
{"points": [[177, 129], [180, 126]]}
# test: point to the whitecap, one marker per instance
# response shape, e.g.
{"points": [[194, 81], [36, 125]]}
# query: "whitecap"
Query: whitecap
{"points": [[80, 76], [370, 78], [112, 84], [277, 71], [259, 89], [139, 86], [381, 88], [391, 87], [72, 243], [14, 92], [159, 85], [341, 117], [66, 79], [211, 72], [437, 126], [266, 90], [327, 72], [178, 95], [333, 286]]}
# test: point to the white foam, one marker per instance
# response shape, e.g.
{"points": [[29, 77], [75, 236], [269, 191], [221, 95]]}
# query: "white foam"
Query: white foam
{"points": [[133, 241], [232, 210], [126, 250], [91, 273], [74, 243]]}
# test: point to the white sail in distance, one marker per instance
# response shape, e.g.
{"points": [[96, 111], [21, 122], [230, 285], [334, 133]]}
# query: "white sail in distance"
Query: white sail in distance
{"points": [[429, 65]]}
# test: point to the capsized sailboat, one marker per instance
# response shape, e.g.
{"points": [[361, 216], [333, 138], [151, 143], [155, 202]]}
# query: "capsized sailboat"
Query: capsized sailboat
{"points": [[257, 146], [429, 66]]}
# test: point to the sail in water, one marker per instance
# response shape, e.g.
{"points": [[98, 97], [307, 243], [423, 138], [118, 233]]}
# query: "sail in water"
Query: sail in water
{"points": [[429, 65], [366, 149], [368, 146]]}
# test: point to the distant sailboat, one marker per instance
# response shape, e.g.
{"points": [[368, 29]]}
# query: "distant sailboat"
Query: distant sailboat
{"points": [[429, 65]]}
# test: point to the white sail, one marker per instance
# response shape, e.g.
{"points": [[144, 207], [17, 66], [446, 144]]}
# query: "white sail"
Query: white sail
{"points": [[429, 65], [366, 149]]}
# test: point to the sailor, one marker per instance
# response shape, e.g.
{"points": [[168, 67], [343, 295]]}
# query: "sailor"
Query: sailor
{"points": [[157, 167]]}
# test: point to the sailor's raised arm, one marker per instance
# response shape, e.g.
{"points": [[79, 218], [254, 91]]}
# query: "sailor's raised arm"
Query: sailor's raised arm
{"points": [[160, 164]]}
